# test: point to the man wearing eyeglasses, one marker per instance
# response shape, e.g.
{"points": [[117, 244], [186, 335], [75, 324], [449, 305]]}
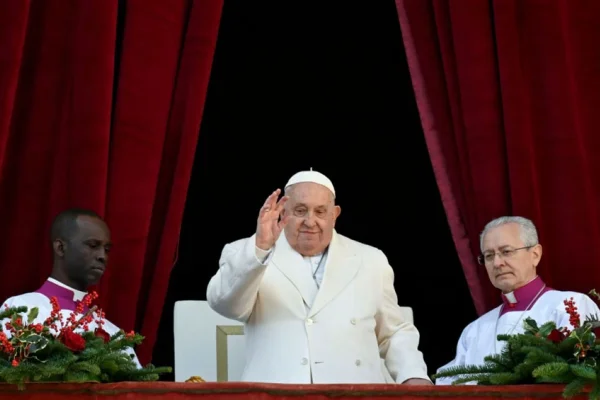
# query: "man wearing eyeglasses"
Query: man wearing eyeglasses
{"points": [[510, 254]]}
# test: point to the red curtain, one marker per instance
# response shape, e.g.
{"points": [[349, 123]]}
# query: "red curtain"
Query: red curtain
{"points": [[509, 92], [105, 115]]}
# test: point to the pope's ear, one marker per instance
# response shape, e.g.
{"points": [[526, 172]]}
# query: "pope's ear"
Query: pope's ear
{"points": [[337, 211], [59, 248]]}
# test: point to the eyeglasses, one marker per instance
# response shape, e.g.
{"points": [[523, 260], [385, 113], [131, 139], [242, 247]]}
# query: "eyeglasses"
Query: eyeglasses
{"points": [[503, 254]]}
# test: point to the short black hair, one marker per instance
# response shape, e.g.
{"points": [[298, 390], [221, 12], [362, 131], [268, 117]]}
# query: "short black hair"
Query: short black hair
{"points": [[65, 223]]}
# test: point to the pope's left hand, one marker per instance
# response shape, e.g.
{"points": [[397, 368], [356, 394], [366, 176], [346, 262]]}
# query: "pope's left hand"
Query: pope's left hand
{"points": [[417, 381]]}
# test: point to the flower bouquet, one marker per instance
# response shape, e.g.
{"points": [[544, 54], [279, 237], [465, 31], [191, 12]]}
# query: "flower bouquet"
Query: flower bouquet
{"points": [[63, 349], [543, 354]]}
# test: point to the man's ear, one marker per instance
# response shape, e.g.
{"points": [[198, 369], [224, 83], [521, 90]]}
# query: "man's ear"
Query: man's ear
{"points": [[59, 248], [537, 254], [337, 210]]}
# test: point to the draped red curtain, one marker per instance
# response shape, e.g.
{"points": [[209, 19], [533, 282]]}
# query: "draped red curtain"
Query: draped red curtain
{"points": [[509, 92], [100, 107]]}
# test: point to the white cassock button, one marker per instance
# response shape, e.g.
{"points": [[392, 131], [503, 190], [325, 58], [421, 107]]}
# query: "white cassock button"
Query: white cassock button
{"points": [[304, 361], [353, 321], [357, 363], [309, 321]]}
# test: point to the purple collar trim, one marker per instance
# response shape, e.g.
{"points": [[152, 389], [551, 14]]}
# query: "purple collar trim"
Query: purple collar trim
{"points": [[525, 296], [63, 295]]}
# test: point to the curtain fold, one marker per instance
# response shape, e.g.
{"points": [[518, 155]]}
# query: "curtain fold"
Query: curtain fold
{"points": [[102, 116], [507, 92]]}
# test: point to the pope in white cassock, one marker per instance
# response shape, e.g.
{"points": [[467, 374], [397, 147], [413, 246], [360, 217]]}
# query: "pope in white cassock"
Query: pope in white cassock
{"points": [[511, 253], [81, 243], [318, 307]]}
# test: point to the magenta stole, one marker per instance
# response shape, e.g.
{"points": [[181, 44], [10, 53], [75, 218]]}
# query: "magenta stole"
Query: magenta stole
{"points": [[63, 295]]}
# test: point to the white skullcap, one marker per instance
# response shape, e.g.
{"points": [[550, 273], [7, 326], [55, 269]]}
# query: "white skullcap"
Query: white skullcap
{"points": [[311, 176]]}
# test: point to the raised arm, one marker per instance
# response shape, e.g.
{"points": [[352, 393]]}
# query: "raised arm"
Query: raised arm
{"points": [[232, 292]]}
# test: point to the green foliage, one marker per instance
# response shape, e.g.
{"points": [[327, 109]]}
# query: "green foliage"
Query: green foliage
{"points": [[542, 354], [39, 356]]}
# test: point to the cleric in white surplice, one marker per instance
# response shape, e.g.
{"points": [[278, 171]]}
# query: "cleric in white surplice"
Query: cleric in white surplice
{"points": [[318, 307], [81, 244], [511, 253]]}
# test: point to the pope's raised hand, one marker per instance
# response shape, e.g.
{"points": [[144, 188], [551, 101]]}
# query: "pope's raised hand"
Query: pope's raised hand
{"points": [[269, 224]]}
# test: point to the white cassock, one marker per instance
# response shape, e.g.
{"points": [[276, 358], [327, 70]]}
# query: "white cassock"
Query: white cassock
{"points": [[479, 338], [337, 323], [67, 296]]}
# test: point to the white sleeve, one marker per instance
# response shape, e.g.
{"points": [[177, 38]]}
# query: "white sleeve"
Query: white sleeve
{"points": [[233, 290]]}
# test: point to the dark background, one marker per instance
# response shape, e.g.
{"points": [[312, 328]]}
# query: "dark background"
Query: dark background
{"points": [[327, 87]]}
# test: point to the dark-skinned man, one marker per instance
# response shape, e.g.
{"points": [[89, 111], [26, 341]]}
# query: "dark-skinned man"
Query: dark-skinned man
{"points": [[81, 245]]}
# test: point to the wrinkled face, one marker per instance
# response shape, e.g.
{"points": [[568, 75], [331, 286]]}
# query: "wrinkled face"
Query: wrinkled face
{"points": [[509, 265], [312, 215], [85, 254]]}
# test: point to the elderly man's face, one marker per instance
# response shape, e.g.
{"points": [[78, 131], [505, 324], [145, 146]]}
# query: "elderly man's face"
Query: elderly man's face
{"points": [[507, 267], [312, 215]]}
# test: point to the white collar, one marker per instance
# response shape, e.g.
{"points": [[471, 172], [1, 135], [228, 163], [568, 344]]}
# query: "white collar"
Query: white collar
{"points": [[78, 295]]}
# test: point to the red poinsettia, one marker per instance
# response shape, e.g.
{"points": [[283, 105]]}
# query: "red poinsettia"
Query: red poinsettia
{"points": [[72, 341], [556, 336], [101, 333]]}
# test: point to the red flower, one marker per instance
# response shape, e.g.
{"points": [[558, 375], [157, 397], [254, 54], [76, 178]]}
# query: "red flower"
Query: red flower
{"points": [[72, 340], [101, 333], [556, 336]]}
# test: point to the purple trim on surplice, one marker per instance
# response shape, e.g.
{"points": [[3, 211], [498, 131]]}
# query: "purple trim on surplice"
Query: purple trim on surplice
{"points": [[525, 296], [63, 295]]}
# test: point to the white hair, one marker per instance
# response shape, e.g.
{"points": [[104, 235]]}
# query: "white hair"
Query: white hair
{"points": [[527, 229]]}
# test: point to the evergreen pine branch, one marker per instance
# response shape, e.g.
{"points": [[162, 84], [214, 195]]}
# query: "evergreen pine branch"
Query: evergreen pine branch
{"points": [[41, 356], [574, 387], [468, 370], [557, 372], [551, 369], [480, 379], [567, 345], [562, 379], [583, 371], [539, 356], [529, 341], [507, 378], [500, 361], [524, 371]]}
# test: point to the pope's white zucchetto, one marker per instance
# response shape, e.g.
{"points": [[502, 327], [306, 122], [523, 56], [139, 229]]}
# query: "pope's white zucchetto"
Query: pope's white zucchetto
{"points": [[311, 176]]}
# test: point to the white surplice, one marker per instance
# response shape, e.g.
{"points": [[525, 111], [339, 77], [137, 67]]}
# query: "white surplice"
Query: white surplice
{"points": [[479, 338]]}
